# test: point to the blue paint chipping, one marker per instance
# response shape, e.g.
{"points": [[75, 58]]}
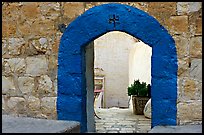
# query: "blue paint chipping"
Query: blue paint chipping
{"points": [[71, 99]]}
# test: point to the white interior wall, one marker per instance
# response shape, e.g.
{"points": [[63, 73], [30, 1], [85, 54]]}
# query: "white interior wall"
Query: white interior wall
{"points": [[122, 60]]}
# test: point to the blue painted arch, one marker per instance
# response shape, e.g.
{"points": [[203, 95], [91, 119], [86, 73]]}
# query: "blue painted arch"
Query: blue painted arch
{"points": [[71, 99]]}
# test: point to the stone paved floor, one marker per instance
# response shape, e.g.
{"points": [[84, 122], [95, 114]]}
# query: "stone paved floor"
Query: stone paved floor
{"points": [[116, 120]]}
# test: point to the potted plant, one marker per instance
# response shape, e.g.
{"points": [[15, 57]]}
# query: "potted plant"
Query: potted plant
{"points": [[141, 93]]}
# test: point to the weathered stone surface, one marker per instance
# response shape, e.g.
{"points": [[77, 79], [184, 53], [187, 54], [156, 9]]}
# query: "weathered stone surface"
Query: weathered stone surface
{"points": [[189, 89], [48, 106], [16, 105], [73, 9], [183, 67], [36, 66], [199, 91], [189, 112], [50, 10], [15, 45], [39, 45], [198, 26], [4, 46], [33, 104], [43, 27], [184, 8], [7, 85], [55, 86], [182, 46], [162, 10], [196, 47], [52, 66], [9, 16], [14, 66], [8, 28], [178, 24], [196, 69], [45, 85], [26, 84], [30, 10]]}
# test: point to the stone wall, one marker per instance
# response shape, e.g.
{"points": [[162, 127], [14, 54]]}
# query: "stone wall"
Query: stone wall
{"points": [[30, 41]]}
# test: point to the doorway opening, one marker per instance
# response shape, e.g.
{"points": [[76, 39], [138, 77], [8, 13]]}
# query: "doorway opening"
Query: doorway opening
{"points": [[118, 59]]}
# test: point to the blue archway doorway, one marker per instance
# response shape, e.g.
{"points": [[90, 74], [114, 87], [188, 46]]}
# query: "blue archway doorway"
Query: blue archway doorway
{"points": [[71, 95]]}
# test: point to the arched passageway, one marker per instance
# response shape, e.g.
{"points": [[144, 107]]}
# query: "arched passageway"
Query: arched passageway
{"points": [[71, 100]]}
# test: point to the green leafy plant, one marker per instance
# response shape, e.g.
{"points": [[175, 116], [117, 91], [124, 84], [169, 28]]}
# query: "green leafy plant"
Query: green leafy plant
{"points": [[139, 89]]}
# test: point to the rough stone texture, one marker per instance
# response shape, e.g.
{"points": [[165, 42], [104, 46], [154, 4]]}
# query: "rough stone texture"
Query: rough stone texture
{"points": [[184, 8], [162, 10], [36, 66], [190, 112], [8, 86], [16, 105], [33, 104], [26, 84], [178, 24], [183, 67], [196, 69], [198, 26], [45, 85], [72, 10], [182, 45], [14, 66], [196, 47], [189, 89], [15, 45], [48, 106]]}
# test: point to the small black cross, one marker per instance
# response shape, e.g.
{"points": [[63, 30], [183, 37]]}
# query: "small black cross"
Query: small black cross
{"points": [[114, 19]]}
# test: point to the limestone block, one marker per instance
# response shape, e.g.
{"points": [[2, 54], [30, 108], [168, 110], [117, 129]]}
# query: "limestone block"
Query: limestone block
{"points": [[183, 67], [26, 84], [73, 9], [40, 45], [8, 28], [52, 72], [36, 66], [177, 24], [162, 10], [50, 10], [16, 104], [14, 65], [30, 10], [189, 88], [196, 47], [147, 109], [189, 111], [184, 8], [42, 27], [182, 45], [15, 45], [48, 105], [7, 85], [33, 103], [198, 26], [45, 85], [196, 69]]}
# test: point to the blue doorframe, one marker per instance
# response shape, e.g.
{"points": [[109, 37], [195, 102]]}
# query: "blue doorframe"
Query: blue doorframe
{"points": [[71, 95]]}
